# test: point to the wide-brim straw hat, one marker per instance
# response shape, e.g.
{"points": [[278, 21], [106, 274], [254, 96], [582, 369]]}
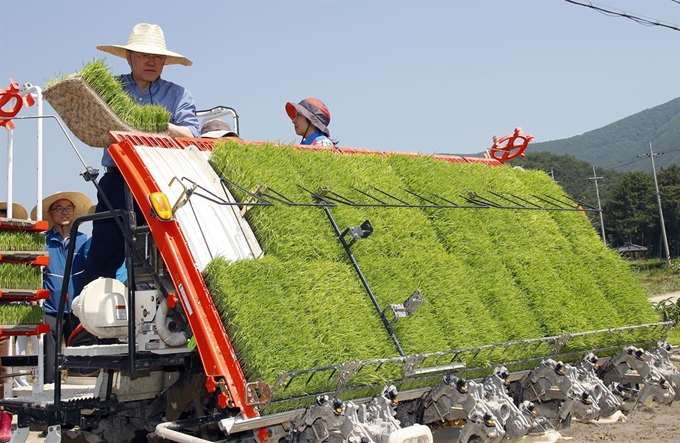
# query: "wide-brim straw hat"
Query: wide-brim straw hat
{"points": [[313, 110], [81, 204], [149, 39], [18, 211]]}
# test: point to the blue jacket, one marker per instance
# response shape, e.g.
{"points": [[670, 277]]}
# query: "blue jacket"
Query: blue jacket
{"points": [[318, 138], [53, 273]]}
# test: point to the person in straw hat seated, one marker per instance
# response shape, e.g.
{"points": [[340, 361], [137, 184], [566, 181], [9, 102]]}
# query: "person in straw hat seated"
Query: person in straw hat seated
{"points": [[59, 210], [147, 55], [18, 211]]}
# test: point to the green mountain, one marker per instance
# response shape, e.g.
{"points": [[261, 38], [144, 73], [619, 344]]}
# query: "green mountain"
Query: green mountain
{"points": [[624, 145]]}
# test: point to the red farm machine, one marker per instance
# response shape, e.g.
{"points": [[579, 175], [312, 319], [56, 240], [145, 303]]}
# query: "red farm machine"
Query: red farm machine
{"points": [[169, 369]]}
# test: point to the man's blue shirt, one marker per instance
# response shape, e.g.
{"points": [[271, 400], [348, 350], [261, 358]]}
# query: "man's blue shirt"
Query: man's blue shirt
{"points": [[53, 273], [176, 99]]}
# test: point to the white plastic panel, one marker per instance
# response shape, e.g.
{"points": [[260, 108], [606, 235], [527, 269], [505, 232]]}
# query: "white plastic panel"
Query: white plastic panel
{"points": [[211, 229]]}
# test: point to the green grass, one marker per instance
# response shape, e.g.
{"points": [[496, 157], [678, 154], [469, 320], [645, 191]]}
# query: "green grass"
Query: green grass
{"points": [[657, 277], [486, 275]]}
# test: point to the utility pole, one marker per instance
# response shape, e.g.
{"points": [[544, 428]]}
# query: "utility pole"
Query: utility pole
{"points": [[658, 201], [599, 206]]}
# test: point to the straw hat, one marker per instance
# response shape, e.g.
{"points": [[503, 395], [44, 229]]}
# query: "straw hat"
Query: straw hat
{"points": [[18, 211], [81, 204], [314, 110], [149, 39]]}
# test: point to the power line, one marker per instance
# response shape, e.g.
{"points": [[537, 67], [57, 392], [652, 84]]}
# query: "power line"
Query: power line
{"points": [[636, 18], [635, 160]]}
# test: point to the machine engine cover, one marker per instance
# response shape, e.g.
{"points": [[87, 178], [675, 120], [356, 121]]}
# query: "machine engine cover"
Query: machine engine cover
{"points": [[102, 308]]}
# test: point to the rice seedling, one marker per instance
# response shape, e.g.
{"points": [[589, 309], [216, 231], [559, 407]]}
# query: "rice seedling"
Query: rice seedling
{"points": [[486, 275], [20, 276], [21, 314], [147, 118], [11, 240]]}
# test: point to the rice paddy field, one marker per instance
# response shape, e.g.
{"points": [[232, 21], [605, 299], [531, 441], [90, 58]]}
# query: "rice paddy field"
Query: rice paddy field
{"points": [[486, 275]]}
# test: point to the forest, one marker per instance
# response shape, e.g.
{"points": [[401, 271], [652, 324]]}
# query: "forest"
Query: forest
{"points": [[629, 202]]}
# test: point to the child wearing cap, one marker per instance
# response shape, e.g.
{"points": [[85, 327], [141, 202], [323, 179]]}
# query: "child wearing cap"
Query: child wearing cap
{"points": [[311, 118]]}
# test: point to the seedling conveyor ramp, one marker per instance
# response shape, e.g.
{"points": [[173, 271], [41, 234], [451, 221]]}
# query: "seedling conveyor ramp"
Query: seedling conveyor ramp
{"points": [[211, 225]]}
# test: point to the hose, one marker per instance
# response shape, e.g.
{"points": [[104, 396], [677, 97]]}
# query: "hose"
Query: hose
{"points": [[167, 431], [172, 339]]}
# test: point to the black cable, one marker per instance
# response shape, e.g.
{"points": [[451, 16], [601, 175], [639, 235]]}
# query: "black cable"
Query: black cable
{"points": [[638, 158], [635, 18]]}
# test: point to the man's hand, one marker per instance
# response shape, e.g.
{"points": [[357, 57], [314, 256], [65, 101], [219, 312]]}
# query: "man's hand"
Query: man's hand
{"points": [[179, 131]]}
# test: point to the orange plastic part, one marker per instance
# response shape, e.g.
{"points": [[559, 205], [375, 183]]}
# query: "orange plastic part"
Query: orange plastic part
{"points": [[510, 146], [212, 341], [7, 110]]}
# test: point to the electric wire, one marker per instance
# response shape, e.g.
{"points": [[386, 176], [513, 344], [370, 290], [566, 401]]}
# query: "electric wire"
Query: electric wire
{"points": [[636, 18], [638, 158]]}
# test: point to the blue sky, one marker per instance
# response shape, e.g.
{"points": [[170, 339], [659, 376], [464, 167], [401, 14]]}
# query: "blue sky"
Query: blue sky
{"points": [[420, 75]]}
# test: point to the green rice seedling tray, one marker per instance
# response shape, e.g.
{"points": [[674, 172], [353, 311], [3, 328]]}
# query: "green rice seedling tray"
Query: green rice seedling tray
{"points": [[92, 103], [21, 241], [20, 276], [487, 275], [20, 314]]}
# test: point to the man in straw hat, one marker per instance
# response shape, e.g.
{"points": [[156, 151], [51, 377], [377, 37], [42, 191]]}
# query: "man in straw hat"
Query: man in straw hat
{"points": [[18, 211], [146, 54], [59, 210]]}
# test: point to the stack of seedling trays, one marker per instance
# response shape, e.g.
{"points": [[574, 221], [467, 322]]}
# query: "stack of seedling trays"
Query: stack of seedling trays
{"points": [[22, 254]]}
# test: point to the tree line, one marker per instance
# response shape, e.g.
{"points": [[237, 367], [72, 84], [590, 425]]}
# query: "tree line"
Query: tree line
{"points": [[628, 200]]}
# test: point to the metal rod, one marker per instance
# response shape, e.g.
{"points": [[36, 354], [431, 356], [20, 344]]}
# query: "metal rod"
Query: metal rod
{"points": [[363, 279]]}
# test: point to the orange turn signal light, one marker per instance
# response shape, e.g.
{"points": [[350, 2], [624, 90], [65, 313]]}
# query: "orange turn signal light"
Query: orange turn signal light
{"points": [[161, 206]]}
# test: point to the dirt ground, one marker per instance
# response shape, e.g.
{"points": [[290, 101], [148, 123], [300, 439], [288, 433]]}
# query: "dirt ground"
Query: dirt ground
{"points": [[655, 423]]}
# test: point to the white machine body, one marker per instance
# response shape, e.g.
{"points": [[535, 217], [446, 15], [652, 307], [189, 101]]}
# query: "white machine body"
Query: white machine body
{"points": [[102, 308]]}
